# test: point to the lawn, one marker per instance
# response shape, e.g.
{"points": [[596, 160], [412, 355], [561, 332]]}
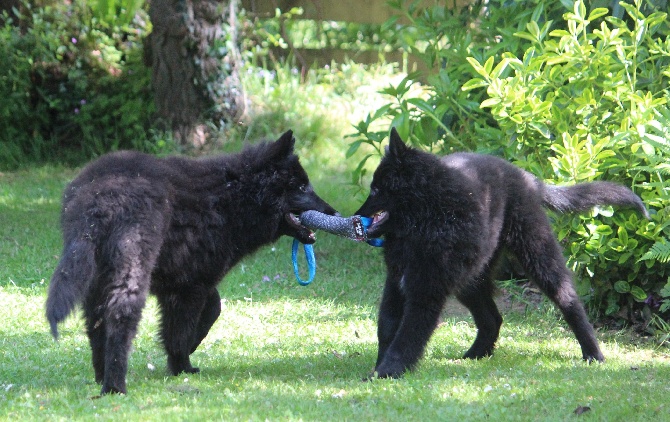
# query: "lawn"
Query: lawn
{"points": [[280, 351]]}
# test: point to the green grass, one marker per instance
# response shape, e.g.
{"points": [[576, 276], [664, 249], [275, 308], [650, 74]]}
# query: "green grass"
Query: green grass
{"points": [[280, 351]]}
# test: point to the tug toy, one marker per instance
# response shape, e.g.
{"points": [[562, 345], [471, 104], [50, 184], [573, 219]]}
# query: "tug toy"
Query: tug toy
{"points": [[354, 228]]}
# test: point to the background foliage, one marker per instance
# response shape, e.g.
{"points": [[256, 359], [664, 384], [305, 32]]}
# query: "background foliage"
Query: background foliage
{"points": [[568, 94], [73, 86], [569, 91]]}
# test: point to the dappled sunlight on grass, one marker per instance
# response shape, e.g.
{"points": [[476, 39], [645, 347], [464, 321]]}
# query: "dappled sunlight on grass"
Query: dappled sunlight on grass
{"points": [[304, 357], [29, 190]]}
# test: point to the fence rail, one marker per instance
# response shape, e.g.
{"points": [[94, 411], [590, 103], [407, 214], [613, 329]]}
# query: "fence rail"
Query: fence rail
{"points": [[353, 11]]}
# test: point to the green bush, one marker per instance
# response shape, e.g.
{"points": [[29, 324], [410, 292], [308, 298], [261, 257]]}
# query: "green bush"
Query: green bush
{"points": [[432, 110], [72, 86], [591, 102], [577, 100]]}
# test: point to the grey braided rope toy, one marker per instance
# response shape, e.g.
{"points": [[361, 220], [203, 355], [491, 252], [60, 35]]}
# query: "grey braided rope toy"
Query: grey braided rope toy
{"points": [[353, 227]]}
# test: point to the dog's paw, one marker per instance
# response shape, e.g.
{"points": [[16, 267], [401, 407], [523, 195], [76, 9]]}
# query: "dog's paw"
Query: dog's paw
{"points": [[111, 389], [395, 370], [478, 353], [178, 364], [597, 357], [191, 370]]}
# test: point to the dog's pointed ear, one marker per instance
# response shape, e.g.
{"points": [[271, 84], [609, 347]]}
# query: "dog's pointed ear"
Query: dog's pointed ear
{"points": [[283, 147], [396, 146]]}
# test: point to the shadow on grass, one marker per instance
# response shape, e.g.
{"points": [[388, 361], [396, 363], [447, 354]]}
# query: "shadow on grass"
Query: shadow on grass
{"points": [[314, 380], [36, 360]]}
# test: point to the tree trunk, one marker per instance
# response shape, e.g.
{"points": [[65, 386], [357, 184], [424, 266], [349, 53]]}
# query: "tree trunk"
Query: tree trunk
{"points": [[194, 56]]}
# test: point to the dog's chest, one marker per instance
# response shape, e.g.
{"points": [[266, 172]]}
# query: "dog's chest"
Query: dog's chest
{"points": [[401, 283]]}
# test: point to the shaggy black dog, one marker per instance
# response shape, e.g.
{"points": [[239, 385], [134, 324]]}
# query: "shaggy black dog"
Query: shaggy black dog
{"points": [[447, 221], [134, 224]]}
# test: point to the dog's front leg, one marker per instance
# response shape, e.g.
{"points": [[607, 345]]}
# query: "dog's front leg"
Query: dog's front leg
{"points": [[390, 312], [180, 314], [208, 316], [424, 299]]}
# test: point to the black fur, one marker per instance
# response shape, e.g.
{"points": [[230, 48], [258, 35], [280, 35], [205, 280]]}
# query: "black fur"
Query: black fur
{"points": [[447, 221], [135, 224]]}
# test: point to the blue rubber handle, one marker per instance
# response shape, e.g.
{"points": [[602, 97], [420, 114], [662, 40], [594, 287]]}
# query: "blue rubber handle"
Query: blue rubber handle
{"points": [[375, 241], [311, 262]]}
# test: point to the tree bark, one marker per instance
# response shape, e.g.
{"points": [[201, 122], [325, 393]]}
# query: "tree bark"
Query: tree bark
{"points": [[194, 58]]}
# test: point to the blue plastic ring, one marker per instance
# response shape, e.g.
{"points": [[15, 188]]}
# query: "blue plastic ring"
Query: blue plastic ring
{"points": [[311, 262]]}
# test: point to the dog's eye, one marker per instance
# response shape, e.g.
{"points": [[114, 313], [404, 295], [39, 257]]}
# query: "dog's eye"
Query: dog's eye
{"points": [[304, 188], [374, 191]]}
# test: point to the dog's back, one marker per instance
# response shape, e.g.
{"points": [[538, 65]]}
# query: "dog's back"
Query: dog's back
{"points": [[519, 188]]}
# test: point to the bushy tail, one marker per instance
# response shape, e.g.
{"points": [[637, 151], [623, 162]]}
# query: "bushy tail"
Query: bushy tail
{"points": [[70, 281], [584, 196]]}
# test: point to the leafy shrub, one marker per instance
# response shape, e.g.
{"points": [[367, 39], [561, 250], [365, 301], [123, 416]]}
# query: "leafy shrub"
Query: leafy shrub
{"points": [[576, 100], [72, 87], [432, 110], [591, 102]]}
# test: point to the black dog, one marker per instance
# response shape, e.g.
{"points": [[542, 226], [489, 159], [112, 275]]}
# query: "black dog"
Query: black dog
{"points": [[134, 224], [447, 221]]}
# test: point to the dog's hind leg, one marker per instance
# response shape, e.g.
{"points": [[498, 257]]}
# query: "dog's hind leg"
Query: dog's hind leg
{"points": [[535, 246], [209, 315], [477, 296], [132, 259], [95, 329]]}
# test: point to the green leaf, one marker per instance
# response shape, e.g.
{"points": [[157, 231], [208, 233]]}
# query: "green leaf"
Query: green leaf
{"points": [[500, 68], [624, 257], [359, 171], [604, 210], [488, 66], [381, 112], [622, 234], [604, 230], [580, 9], [632, 11], [660, 251], [622, 286], [638, 293], [556, 60], [525, 36], [516, 118], [544, 106], [490, 102], [401, 123], [598, 12], [474, 84], [353, 147], [422, 105], [541, 128], [478, 67], [559, 33], [665, 291], [612, 308]]}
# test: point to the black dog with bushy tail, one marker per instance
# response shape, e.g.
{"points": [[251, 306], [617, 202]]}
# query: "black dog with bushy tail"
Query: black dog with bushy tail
{"points": [[447, 221], [135, 224]]}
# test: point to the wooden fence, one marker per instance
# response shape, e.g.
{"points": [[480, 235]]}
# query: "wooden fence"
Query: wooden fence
{"points": [[354, 11]]}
